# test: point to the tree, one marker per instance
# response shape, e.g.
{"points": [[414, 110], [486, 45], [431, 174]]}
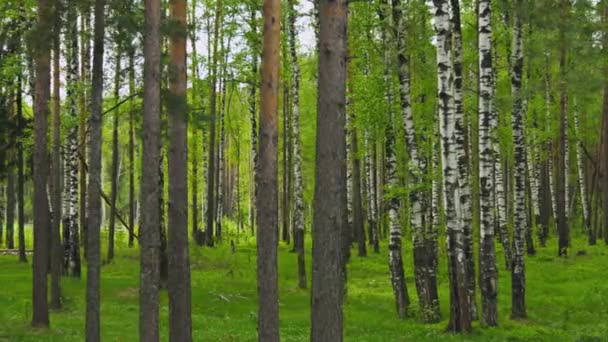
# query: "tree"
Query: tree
{"points": [[488, 274], [460, 314], [180, 321], [518, 306], [94, 190], [56, 247], [266, 177], [115, 155], [70, 213], [40, 316], [328, 269], [425, 248], [298, 192], [149, 236]]}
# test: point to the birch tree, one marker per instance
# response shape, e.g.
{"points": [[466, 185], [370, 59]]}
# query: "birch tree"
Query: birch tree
{"points": [[298, 192], [460, 312], [518, 305], [488, 275]]}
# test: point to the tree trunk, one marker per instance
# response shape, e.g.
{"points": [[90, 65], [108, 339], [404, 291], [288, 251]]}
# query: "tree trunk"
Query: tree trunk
{"points": [[582, 180], [266, 180], [84, 103], [55, 234], [40, 312], [358, 228], [518, 294], [561, 176], [20, 174], [149, 232], [425, 258], [114, 175], [132, 112], [180, 320], [330, 216], [460, 311], [298, 186], [70, 212], [94, 201], [253, 84], [488, 274], [604, 145], [10, 206], [464, 196]]}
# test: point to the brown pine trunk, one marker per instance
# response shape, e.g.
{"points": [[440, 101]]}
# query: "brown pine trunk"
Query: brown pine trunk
{"points": [[56, 247], [180, 321], [149, 232], [266, 177], [40, 312], [330, 215]]}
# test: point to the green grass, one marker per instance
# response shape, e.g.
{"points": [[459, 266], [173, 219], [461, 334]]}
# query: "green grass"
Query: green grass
{"points": [[567, 300]]}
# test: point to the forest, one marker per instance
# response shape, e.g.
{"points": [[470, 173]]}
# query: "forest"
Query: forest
{"points": [[303, 170]]}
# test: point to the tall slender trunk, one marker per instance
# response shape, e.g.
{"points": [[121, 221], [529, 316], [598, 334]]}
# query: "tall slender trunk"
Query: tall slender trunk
{"points": [[20, 173], [149, 233], [132, 111], [286, 200], [330, 216], [40, 312], [582, 180], [561, 160], [488, 274], [604, 145], [466, 214], [253, 84], [518, 294], [460, 312], [10, 207], [94, 193], [85, 53], [395, 258], [180, 320], [358, 228], [370, 187], [211, 200], [70, 212], [425, 258], [114, 172], [196, 136], [266, 177], [55, 233], [298, 186]]}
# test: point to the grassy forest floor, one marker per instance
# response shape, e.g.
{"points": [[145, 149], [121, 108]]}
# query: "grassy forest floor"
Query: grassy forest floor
{"points": [[567, 299]]}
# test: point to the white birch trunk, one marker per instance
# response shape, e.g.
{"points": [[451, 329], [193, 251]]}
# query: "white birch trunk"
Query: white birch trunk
{"points": [[71, 208], [518, 308], [488, 277], [581, 171], [460, 314], [424, 251]]}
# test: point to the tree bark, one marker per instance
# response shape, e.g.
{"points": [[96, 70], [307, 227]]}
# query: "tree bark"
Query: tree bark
{"points": [[85, 107], [518, 294], [149, 236], [267, 209], [488, 274], [132, 111], [460, 311], [55, 234], [298, 186], [115, 155], [180, 320], [40, 312], [561, 160], [425, 245], [330, 216]]}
